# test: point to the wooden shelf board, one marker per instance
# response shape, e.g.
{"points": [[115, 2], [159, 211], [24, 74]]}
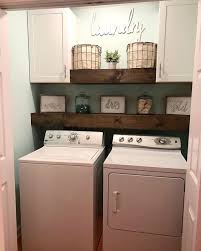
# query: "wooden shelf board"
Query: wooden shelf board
{"points": [[113, 121], [131, 83], [119, 76]]}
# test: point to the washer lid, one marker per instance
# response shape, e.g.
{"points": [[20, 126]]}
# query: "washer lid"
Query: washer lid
{"points": [[146, 160], [71, 155]]}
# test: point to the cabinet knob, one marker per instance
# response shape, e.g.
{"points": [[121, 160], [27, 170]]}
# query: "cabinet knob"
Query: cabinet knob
{"points": [[160, 70], [65, 68]]}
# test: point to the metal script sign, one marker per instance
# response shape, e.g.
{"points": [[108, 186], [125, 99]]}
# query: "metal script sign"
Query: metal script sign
{"points": [[129, 27]]}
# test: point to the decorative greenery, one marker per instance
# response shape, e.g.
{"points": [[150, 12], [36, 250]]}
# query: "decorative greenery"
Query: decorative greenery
{"points": [[112, 56]]}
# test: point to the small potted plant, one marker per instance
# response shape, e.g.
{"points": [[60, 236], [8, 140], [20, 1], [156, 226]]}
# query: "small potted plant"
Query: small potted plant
{"points": [[112, 58]]}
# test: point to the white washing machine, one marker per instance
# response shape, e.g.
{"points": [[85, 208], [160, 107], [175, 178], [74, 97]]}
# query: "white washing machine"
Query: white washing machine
{"points": [[60, 188], [144, 186]]}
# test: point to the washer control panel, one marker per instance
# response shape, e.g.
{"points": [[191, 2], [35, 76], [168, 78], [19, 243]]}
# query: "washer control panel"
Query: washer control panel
{"points": [[65, 138], [147, 141]]}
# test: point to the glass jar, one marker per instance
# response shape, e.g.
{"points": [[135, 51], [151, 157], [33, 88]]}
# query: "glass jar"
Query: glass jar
{"points": [[144, 104], [82, 103]]}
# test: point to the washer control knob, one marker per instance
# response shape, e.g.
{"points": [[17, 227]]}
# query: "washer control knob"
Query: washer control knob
{"points": [[139, 140], [73, 136], [87, 137], [121, 139], [130, 140], [162, 141], [51, 136], [58, 136]]}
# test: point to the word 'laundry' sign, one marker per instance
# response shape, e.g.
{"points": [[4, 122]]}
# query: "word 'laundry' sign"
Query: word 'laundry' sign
{"points": [[130, 27]]}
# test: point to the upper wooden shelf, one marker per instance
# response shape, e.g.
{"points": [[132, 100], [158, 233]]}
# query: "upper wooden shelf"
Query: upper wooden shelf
{"points": [[119, 76], [113, 121]]}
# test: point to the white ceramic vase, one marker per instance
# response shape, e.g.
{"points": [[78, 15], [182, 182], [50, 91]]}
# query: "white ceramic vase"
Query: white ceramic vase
{"points": [[112, 65]]}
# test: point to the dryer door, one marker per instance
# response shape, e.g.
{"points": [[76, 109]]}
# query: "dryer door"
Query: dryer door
{"points": [[146, 204]]}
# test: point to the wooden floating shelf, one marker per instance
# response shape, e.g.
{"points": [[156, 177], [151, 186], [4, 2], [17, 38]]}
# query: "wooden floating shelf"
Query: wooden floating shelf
{"points": [[119, 76], [113, 121]]}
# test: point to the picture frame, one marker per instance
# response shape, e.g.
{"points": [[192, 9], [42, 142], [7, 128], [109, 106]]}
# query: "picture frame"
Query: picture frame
{"points": [[178, 105], [113, 104], [52, 103]]}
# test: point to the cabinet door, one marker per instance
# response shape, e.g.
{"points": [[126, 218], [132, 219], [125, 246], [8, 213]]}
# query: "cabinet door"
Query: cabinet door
{"points": [[50, 45], [177, 31]]}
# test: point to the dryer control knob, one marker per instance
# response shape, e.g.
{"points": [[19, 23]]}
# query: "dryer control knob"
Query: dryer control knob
{"points": [[58, 136], [121, 139], [163, 141], [130, 140], [139, 140], [87, 137]]}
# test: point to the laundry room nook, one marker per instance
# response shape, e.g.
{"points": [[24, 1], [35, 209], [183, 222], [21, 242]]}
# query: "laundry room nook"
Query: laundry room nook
{"points": [[101, 107]]}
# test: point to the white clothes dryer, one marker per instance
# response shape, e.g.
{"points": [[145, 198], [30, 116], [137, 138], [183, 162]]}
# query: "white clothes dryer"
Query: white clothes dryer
{"points": [[60, 189], [144, 186]]}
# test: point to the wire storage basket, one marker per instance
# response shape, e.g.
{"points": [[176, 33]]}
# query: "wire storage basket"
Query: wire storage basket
{"points": [[141, 55], [86, 56]]}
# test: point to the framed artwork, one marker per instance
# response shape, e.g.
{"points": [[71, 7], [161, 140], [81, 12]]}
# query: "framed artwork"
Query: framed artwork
{"points": [[113, 104], [178, 105], [52, 103]]}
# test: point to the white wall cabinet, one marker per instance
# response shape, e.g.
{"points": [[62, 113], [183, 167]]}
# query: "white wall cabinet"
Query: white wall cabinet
{"points": [[52, 33], [177, 31]]}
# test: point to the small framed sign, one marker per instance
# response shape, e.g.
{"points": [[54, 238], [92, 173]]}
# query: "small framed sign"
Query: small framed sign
{"points": [[178, 105], [113, 104], [52, 103]]}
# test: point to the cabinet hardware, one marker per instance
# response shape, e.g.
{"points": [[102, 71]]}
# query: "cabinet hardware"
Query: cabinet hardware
{"points": [[65, 68], [160, 70]]}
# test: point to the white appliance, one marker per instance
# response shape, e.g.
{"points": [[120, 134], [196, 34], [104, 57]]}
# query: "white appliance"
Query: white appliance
{"points": [[144, 186], [60, 188]]}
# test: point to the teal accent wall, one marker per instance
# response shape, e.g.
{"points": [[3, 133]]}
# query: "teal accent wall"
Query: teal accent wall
{"points": [[25, 97], [157, 91]]}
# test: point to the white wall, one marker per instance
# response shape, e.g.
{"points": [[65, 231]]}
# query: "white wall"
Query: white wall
{"points": [[147, 14], [23, 94]]}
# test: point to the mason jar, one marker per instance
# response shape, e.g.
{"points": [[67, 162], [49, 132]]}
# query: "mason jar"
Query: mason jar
{"points": [[82, 103], [144, 104]]}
